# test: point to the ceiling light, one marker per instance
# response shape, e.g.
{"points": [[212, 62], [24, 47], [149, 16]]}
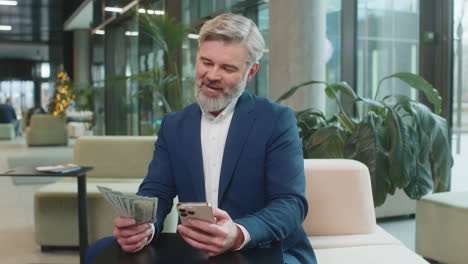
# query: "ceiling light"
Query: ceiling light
{"points": [[193, 36], [151, 12], [5, 28], [113, 9], [9, 3], [45, 70], [131, 33], [99, 32]]}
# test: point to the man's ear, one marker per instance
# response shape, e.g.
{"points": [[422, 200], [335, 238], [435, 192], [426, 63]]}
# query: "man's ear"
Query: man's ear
{"points": [[252, 71]]}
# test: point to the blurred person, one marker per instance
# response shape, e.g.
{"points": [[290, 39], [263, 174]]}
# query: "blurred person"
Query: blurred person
{"points": [[8, 115], [37, 109]]}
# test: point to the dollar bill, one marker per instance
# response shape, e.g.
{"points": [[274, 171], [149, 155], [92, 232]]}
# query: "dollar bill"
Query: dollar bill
{"points": [[142, 209]]}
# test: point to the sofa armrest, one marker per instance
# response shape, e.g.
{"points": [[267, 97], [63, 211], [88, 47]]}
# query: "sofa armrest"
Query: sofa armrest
{"points": [[340, 198]]}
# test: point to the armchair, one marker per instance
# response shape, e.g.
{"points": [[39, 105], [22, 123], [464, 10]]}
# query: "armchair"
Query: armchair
{"points": [[46, 130]]}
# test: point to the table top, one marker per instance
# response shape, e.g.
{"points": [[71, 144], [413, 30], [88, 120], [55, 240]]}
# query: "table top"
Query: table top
{"points": [[171, 248], [31, 171]]}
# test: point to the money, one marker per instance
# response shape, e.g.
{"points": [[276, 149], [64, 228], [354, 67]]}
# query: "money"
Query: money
{"points": [[143, 209]]}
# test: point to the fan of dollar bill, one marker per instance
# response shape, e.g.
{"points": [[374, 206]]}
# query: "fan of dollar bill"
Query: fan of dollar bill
{"points": [[143, 209]]}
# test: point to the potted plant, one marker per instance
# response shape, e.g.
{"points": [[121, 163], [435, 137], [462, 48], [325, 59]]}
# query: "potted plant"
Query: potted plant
{"points": [[403, 143]]}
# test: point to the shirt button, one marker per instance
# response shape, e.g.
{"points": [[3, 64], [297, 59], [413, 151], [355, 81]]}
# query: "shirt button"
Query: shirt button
{"points": [[213, 164]]}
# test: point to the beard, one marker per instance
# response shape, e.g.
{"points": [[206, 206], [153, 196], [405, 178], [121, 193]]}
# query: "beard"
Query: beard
{"points": [[215, 104]]}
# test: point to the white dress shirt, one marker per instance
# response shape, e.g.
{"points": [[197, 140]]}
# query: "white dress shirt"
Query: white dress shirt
{"points": [[213, 135]]}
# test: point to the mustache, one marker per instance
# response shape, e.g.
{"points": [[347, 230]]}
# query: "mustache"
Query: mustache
{"points": [[214, 85]]}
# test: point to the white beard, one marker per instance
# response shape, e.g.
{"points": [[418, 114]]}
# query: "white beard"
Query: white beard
{"points": [[215, 104]]}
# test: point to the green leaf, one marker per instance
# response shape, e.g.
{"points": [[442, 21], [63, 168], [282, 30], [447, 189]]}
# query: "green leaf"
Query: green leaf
{"points": [[309, 120], [440, 156], [421, 181], [399, 149], [346, 122], [294, 89], [419, 83], [367, 146], [372, 104], [310, 113], [333, 89], [151, 26], [325, 143]]}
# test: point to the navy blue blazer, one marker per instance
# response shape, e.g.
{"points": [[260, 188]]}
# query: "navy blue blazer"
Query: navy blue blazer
{"points": [[262, 181]]}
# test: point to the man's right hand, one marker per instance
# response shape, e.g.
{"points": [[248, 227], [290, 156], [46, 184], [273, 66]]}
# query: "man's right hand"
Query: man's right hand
{"points": [[131, 237]]}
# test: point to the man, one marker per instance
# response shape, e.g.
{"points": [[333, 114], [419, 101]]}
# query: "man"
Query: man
{"points": [[7, 113], [239, 152]]}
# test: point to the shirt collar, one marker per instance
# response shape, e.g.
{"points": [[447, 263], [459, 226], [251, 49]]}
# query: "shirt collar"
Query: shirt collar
{"points": [[226, 112]]}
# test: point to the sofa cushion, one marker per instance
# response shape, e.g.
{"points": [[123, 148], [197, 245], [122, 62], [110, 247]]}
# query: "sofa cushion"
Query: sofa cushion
{"points": [[381, 254], [379, 237]]}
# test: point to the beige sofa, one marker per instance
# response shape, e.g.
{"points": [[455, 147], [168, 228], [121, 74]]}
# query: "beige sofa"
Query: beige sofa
{"points": [[341, 221], [46, 130], [120, 162]]}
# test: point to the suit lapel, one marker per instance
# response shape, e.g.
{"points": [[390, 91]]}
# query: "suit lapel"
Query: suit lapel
{"points": [[239, 130], [192, 152]]}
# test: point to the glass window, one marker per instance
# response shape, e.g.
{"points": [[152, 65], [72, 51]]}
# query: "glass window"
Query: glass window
{"points": [[388, 42], [460, 96], [333, 45], [20, 92]]}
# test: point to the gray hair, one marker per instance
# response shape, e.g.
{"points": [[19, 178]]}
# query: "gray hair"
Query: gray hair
{"points": [[236, 29]]}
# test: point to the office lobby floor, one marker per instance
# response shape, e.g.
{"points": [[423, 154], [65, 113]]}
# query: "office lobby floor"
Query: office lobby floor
{"points": [[17, 245]]}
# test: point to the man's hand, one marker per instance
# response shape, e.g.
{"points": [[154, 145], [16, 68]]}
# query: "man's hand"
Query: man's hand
{"points": [[213, 239], [131, 237]]}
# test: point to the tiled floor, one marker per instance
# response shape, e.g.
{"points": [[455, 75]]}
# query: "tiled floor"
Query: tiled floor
{"points": [[17, 245]]}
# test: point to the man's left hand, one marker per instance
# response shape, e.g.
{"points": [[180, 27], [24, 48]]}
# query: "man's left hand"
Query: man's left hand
{"points": [[213, 239]]}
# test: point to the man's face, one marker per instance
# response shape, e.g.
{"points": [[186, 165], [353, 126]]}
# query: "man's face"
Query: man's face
{"points": [[221, 73]]}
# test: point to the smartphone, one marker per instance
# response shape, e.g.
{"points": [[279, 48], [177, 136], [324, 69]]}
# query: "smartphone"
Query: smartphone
{"points": [[200, 211]]}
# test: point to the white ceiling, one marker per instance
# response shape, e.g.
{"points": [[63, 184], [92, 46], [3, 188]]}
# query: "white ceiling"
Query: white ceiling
{"points": [[81, 18]]}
